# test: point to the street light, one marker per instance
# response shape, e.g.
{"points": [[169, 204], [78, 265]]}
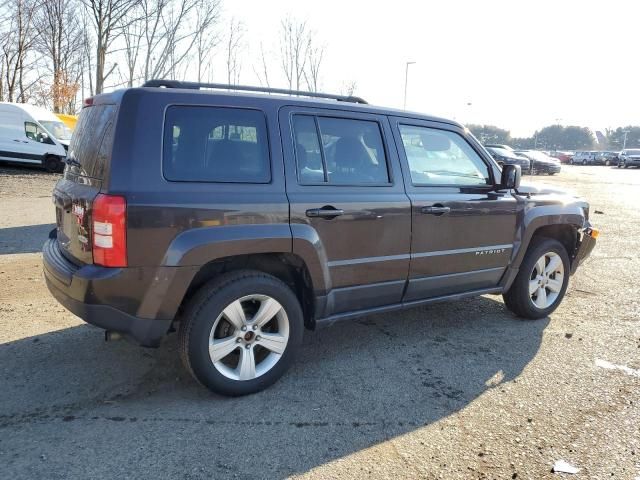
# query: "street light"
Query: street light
{"points": [[624, 144], [406, 80]]}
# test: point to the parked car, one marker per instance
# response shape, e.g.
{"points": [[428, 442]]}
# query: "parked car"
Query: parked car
{"points": [[508, 157], [497, 145], [541, 163], [564, 157], [241, 219], [629, 158], [607, 158], [27, 136], [584, 158]]}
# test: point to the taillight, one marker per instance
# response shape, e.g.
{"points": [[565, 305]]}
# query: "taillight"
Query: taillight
{"points": [[110, 230], [88, 102]]}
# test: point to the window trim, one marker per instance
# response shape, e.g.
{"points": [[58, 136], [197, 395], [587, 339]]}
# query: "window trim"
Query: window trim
{"points": [[315, 115], [225, 107], [487, 186]]}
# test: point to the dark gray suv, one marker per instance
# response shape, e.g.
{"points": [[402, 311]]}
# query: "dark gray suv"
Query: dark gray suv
{"points": [[240, 219]]}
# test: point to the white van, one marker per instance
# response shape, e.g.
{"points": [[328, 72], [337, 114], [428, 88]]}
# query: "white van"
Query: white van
{"points": [[33, 135]]}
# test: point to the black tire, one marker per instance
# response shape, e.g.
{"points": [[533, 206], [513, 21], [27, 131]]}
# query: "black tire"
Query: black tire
{"points": [[517, 298], [584, 162], [207, 305], [607, 163], [52, 164]]}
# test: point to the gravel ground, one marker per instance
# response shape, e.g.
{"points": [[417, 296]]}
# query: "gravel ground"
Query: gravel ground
{"points": [[458, 390]]}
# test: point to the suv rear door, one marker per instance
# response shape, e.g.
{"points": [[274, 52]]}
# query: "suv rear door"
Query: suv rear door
{"points": [[462, 229], [345, 183], [88, 159]]}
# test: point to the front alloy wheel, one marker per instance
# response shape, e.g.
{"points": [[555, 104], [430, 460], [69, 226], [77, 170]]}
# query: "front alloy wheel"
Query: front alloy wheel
{"points": [[541, 281], [546, 279]]}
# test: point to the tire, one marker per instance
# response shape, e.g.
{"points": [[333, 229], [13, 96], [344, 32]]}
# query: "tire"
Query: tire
{"points": [[620, 163], [571, 161], [624, 165], [607, 163], [519, 300], [584, 162], [205, 319], [52, 164]]}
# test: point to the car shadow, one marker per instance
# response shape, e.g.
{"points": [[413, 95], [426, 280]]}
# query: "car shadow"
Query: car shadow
{"points": [[25, 239], [354, 385]]}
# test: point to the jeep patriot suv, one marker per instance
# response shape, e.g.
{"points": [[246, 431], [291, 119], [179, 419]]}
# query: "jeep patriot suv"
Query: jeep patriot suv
{"points": [[239, 219]]}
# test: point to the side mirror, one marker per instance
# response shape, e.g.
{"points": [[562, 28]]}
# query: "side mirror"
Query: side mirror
{"points": [[510, 177]]}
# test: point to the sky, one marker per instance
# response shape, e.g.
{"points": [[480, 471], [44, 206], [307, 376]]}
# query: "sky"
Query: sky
{"points": [[519, 64]]}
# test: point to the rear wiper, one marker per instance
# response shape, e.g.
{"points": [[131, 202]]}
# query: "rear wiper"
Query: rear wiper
{"points": [[72, 161]]}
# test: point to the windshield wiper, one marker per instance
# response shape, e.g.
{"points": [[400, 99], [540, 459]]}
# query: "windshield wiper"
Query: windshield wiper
{"points": [[72, 161]]}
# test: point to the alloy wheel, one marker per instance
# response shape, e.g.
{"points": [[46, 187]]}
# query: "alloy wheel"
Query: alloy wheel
{"points": [[249, 337], [546, 280]]}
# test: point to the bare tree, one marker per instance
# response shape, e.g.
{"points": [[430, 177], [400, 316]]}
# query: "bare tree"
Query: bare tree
{"points": [[234, 45], [315, 55], [349, 88], [262, 71], [109, 17], [16, 43], [207, 16], [294, 47], [165, 34], [62, 44]]}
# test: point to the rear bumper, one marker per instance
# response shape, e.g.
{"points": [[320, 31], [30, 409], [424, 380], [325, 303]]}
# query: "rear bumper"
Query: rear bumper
{"points": [[138, 302], [144, 331], [585, 247]]}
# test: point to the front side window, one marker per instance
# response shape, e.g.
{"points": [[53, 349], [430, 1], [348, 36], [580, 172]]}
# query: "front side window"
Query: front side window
{"points": [[34, 132], [339, 151], [212, 144], [440, 157]]}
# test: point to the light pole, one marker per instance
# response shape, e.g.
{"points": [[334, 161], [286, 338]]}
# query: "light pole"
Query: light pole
{"points": [[406, 81], [624, 143]]}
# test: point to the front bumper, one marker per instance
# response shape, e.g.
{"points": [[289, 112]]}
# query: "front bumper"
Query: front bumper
{"points": [[110, 298], [585, 246]]}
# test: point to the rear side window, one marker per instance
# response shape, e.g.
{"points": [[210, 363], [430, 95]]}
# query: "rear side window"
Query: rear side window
{"points": [[89, 138], [339, 151], [214, 144]]}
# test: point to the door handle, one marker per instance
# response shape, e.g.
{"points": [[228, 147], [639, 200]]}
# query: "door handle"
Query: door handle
{"points": [[436, 210], [324, 212]]}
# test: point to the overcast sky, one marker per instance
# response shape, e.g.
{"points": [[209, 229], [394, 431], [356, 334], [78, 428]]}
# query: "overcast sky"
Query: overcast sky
{"points": [[520, 65]]}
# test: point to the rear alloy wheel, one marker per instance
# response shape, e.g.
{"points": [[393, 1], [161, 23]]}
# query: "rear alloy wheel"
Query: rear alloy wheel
{"points": [[241, 332], [541, 281]]}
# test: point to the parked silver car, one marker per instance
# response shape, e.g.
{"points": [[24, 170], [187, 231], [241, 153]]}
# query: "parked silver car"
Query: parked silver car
{"points": [[629, 158]]}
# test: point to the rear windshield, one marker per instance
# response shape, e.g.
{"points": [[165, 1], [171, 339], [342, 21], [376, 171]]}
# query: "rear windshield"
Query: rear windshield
{"points": [[91, 141]]}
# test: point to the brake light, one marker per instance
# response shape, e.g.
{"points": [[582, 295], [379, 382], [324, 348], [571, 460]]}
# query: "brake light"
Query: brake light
{"points": [[110, 230], [88, 102]]}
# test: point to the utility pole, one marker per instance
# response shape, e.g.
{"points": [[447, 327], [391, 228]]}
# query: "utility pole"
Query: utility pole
{"points": [[624, 143], [406, 81]]}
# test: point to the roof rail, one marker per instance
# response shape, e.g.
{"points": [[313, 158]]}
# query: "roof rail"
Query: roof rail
{"points": [[247, 88]]}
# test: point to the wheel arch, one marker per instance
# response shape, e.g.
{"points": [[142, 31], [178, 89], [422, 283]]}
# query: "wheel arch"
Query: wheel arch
{"points": [[289, 268], [560, 222]]}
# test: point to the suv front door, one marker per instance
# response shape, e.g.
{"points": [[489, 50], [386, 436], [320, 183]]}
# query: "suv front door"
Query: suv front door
{"points": [[345, 189], [462, 228]]}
